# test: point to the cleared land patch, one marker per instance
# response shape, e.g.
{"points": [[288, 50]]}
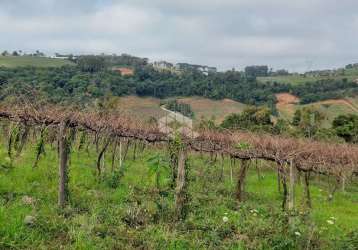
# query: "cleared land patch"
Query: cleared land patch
{"points": [[147, 107], [218, 109], [23, 61], [295, 79], [142, 108], [286, 104]]}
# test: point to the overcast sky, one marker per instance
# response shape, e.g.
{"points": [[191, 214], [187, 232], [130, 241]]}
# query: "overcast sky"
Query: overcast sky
{"points": [[294, 34]]}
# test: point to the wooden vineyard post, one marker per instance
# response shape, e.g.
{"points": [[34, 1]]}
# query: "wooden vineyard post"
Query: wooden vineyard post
{"points": [[231, 171], [120, 154], [100, 159], [114, 155], [63, 167], [180, 190], [240, 191], [291, 192], [343, 183], [307, 189], [279, 179]]}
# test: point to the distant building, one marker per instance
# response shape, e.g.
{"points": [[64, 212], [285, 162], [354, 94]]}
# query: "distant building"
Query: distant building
{"points": [[64, 57], [201, 68], [208, 70], [163, 65]]}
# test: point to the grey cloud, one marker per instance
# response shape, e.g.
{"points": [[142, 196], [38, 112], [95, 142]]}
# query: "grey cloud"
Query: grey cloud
{"points": [[222, 33]]}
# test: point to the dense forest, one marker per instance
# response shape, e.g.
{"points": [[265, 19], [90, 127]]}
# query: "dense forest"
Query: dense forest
{"points": [[93, 78]]}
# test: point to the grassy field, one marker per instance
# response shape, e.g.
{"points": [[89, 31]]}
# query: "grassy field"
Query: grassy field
{"points": [[330, 108], [22, 61], [129, 212], [291, 79], [217, 109], [144, 108], [299, 79], [288, 104], [350, 74]]}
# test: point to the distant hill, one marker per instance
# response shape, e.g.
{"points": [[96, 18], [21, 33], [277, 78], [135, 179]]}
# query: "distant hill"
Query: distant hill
{"points": [[92, 80], [287, 105], [22, 61], [146, 107], [295, 79]]}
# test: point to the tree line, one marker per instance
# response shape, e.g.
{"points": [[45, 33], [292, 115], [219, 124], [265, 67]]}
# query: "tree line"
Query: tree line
{"points": [[307, 122], [92, 78]]}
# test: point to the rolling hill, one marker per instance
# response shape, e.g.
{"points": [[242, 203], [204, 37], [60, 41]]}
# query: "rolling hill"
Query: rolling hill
{"points": [[294, 79], [288, 104], [146, 107]]}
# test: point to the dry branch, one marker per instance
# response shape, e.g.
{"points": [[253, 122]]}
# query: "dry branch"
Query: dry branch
{"points": [[307, 155]]}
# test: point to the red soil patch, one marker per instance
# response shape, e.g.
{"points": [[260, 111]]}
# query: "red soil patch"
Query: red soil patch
{"points": [[286, 103], [125, 71], [286, 98]]}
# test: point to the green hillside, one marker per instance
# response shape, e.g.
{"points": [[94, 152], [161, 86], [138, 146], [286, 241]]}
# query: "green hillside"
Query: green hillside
{"points": [[350, 74], [143, 108], [22, 61], [330, 109]]}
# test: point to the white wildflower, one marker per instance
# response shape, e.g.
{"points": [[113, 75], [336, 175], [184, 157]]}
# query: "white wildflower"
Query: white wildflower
{"points": [[27, 200], [29, 220], [331, 222], [297, 233], [225, 219]]}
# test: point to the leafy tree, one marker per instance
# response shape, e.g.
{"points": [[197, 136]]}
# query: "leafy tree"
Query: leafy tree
{"points": [[91, 64], [207, 124], [297, 117], [281, 127], [328, 135], [346, 126], [253, 118], [92, 80], [256, 70], [5, 53], [324, 89], [182, 108], [308, 120]]}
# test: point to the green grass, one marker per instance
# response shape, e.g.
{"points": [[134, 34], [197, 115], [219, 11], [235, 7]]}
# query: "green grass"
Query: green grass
{"points": [[131, 214], [22, 61], [329, 110], [145, 107], [351, 74], [291, 79]]}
